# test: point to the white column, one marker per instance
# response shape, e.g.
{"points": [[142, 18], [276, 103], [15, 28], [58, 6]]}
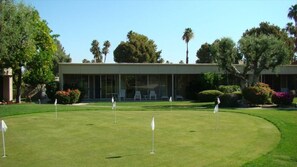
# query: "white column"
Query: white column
{"points": [[172, 86], [120, 86]]}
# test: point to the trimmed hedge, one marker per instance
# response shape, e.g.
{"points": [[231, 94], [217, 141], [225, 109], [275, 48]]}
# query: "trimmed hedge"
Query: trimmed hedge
{"points": [[230, 99], [229, 88], [282, 98], [259, 94], [208, 95], [68, 96], [51, 89]]}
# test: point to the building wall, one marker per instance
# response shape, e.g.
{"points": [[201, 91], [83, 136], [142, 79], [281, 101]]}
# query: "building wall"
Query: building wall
{"points": [[6, 85], [106, 80]]}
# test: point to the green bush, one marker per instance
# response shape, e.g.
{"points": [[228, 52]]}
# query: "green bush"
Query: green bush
{"points": [[51, 89], [68, 97], [230, 99], [208, 95], [229, 88], [259, 94]]}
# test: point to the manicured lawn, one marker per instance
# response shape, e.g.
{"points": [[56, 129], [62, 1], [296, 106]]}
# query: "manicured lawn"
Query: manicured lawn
{"points": [[189, 134]]}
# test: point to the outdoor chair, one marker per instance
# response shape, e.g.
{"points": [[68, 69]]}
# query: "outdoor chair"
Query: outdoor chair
{"points": [[179, 97], [137, 95], [153, 94], [122, 94]]}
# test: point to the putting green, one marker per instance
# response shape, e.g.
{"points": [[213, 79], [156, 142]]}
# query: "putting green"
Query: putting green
{"points": [[182, 138]]}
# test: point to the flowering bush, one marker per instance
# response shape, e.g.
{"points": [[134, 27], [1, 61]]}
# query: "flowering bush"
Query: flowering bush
{"points": [[68, 96], [258, 94], [282, 98]]}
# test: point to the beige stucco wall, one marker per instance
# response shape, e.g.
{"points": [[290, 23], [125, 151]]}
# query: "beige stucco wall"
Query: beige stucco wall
{"points": [[93, 68]]}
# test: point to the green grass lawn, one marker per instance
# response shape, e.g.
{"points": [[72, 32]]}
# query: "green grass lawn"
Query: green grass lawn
{"points": [[189, 134]]}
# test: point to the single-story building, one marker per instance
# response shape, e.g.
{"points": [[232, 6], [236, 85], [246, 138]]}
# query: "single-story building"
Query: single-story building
{"points": [[138, 81], [6, 85]]}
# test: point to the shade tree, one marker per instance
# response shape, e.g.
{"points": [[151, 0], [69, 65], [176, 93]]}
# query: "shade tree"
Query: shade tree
{"points": [[137, 49]]}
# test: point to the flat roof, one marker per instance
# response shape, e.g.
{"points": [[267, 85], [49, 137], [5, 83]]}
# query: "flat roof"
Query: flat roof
{"points": [[156, 68]]}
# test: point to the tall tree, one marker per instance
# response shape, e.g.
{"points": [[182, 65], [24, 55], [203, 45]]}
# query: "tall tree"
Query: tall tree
{"points": [[86, 61], [95, 49], [60, 56], [293, 13], [105, 49], [137, 49], [263, 52], [226, 54], [45, 49], [266, 28], [24, 37], [292, 29], [204, 54], [187, 36]]}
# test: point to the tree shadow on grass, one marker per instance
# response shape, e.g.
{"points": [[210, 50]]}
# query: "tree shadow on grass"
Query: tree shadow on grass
{"points": [[174, 106]]}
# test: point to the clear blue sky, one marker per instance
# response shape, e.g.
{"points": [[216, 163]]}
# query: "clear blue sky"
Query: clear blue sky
{"points": [[80, 21]]}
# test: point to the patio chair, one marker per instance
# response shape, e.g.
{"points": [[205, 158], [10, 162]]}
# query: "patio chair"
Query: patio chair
{"points": [[179, 97], [122, 94], [137, 95], [153, 94]]}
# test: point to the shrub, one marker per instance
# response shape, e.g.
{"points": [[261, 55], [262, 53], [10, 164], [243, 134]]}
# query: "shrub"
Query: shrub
{"points": [[230, 99], [258, 94], [208, 95], [51, 89], [229, 88], [68, 97], [74, 96], [282, 98]]}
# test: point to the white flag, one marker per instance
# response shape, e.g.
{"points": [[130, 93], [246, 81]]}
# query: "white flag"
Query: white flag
{"points": [[153, 124], [216, 109], [114, 105], [3, 126], [55, 102], [170, 99], [218, 100], [112, 99]]}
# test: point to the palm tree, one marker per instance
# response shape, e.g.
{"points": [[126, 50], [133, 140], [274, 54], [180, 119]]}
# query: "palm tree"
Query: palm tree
{"points": [[95, 49], [290, 28], [293, 13], [188, 35], [105, 49]]}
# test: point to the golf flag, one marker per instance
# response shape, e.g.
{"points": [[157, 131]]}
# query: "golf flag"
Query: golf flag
{"points": [[3, 126], [114, 105], [153, 124], [170, 99], [216, 109], [55, 102]]}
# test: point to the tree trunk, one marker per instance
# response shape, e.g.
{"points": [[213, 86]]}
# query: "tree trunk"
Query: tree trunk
{"points": [[187, 55], [18, 85], [255, 78]]}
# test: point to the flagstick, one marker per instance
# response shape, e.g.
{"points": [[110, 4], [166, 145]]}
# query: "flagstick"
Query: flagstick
{"points": [[115, 115], [217, 118], [153, 143], [114, 107], [56, 111], [170, 100], [3, 138], [153, 135]]}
